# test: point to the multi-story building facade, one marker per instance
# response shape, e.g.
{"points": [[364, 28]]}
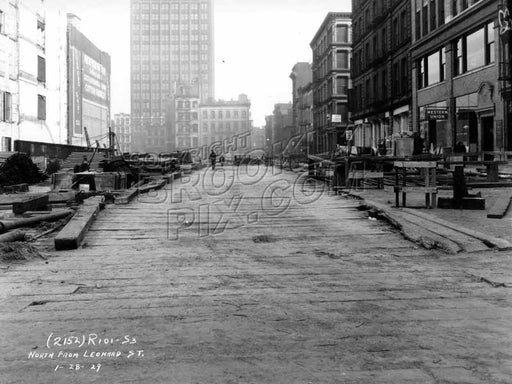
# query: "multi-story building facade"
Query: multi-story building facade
{"points": [[302, 93], [8, 75], [331, 80], [505, 66], [32, 91], [281, 127], [381, 71], [457, 95], [183, 120], [257, 139], [171, 41], [32, 84], [224, 120], [121, 126], [88, 88]]}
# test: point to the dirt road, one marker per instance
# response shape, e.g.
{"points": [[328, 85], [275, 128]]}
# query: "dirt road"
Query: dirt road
{"points": [[246, 276]]}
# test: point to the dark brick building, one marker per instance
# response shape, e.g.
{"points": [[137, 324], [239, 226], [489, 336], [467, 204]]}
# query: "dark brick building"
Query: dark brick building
{"points": [[331, 80], [461, 75], [381, 70]]}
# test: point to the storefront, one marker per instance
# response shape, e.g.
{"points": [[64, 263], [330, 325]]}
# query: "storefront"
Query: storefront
{"points": [[434, 126]]}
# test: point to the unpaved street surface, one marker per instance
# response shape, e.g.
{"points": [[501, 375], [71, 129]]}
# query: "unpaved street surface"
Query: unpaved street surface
{"points": [[253, 277]]}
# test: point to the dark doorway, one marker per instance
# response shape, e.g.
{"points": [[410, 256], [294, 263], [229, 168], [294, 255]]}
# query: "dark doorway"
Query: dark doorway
{"points": [[473, 131], [488, 133], [432, 134], [488, 136]]}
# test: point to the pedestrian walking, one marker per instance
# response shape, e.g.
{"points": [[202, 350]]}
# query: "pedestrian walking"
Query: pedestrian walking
{"points": [[213, 158]]}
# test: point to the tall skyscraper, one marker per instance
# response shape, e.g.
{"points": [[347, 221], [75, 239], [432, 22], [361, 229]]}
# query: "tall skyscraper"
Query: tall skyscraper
{"points": [[171, 43]]}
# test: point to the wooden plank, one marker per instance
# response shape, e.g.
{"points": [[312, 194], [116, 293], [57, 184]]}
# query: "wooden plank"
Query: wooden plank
{"points": [[30, 203], [415, 164], [153, 186], [365, 175], [416, 189], [74, 232], [500, 207]]}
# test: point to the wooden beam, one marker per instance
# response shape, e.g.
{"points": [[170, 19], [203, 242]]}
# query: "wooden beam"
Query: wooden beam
{"points": [[30, 203], [74, 232]]}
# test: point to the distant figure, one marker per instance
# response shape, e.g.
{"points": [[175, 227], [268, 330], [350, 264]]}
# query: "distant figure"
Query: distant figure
{"points": [[84, 167], [382, 148], [213, 158], [418, 144], [460, 147], [221, 160]]}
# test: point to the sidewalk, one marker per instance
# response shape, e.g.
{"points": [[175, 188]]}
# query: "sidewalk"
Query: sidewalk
{"points": [[440, 228]]}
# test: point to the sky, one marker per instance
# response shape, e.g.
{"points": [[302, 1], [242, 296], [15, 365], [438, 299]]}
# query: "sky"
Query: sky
{"points": [[257, 43]]}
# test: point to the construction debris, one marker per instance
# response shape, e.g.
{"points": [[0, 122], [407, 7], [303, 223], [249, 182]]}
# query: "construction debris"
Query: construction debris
{"points": [[12, 237], [18, 252]]}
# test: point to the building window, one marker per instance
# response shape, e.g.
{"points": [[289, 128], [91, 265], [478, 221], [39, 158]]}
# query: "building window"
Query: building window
{"points": [[41, 107], [489, 44], [404, 26], [41, 69], [396, 31], [6, 145], [342, 59], [475, 49], [5, 106], [395, 79], [342, 34], [432, 69], [404, 80], [418, 24], [440, 12], [341, 85], [433, 15], [384, 90]]}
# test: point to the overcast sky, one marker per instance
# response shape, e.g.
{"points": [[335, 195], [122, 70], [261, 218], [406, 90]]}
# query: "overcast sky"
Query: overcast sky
{"points": [[257, 42]]}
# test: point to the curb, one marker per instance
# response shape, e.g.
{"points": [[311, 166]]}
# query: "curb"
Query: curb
{"points": [[431, 232]]}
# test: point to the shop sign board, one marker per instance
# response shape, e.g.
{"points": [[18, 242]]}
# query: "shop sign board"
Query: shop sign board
{"points": [[438, 113]]}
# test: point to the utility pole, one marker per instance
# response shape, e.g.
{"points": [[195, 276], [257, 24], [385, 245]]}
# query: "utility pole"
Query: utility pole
{"points": [[110, 143]]}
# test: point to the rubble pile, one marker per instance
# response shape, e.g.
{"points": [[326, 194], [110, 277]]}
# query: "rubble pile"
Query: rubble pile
{"points": [[18, 251]]}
